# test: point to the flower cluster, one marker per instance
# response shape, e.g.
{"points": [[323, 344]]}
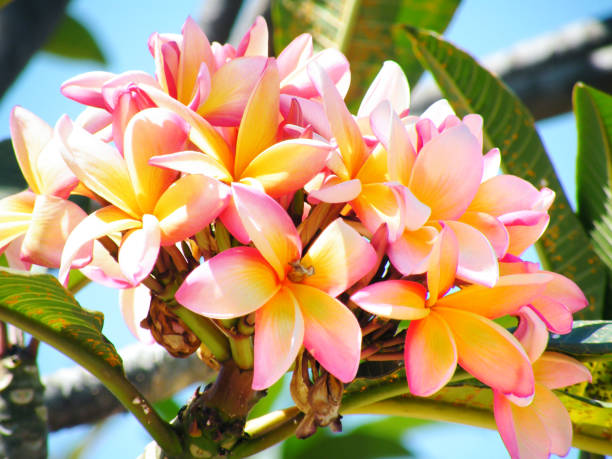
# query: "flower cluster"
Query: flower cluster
{"points": [[240, 186]]}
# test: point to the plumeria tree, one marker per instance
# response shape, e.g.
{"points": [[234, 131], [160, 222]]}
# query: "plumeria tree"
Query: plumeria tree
{"points": [[277, 214]]}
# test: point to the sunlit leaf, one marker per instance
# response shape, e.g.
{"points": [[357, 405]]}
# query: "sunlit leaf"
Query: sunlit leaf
{"points": [[565, 247], [273, 393], [71, 39], [588, 337], [39, 305], [361, 30], [167, 409]]}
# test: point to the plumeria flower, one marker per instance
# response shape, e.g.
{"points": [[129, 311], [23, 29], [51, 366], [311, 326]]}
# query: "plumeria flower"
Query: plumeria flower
{"points": [[543, 427], [293, 294], [279, 168], [148, 204], [458, 327], [437, 182], [36, 222]]}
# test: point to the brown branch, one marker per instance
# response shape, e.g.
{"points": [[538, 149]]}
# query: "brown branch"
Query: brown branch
{"points": [[542, 71], [74, 397]]}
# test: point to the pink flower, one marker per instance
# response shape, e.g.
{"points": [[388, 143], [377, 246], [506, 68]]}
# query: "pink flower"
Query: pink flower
{"points": [[293, 295]]}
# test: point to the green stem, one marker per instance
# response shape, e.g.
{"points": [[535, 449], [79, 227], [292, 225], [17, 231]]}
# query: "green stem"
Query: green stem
{"points": [[424, 408], [205, 331], [112, 377], [268, 430], [222, 237], [242, 352]]}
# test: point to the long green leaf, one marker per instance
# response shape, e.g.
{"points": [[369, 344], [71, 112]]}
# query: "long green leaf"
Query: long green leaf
{"points": [[360, 29], [587, 338], [39, 305], [565, 247], [72, 40]]}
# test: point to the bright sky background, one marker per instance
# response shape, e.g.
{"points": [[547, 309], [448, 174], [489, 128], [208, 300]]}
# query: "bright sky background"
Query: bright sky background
{"points": [[122, 28]]}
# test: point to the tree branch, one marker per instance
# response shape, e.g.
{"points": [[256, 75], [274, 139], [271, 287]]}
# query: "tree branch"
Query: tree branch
{"points": [[542, 71], [73, 396]]}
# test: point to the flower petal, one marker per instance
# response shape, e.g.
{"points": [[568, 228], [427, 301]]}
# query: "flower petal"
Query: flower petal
{"points": [[430, 355], [195, 50], [447, 173], [378, 204], [555, 370], [29, 135], [531, 333], [259, 123], [53, 219], [344, 127], [442, 264], [337, 191], [15, 216], [394, 299], [193, 162], [134, 305], [279, 332], [294, 54], [555, 418], [86, 88], [392, 133], [409, 253], [490, 353], [521, 429], [331, 332], [231, 85], [191, 203], [151, 132], [509, 294], [390, 84], [340, 257], [287, 166], [269, 227], [139, 249], [494, 230], [231, 284], [477, 260], [78, 246], [99, 166]]}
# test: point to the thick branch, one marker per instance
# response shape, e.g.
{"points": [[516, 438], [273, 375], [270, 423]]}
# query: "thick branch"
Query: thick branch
{"points": [[73, 396], [218, 17], [25, 26], [542, 71]]}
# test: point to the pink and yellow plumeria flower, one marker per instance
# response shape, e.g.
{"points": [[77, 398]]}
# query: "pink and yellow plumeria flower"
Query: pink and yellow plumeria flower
{"points": [[458, 327], [293, 296], [442, 176], [543, 427], [36, 222], [149, 204], [254, 156]]}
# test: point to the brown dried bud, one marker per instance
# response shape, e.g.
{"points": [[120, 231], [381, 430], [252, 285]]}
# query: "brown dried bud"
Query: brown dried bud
{"points": [[169, 330]]}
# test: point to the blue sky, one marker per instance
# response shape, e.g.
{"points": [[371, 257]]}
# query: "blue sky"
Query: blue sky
{"points": [[122, 29]]}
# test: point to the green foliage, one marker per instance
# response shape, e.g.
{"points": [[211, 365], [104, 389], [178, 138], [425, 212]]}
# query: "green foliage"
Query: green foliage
{"points": [[588, 338], [167, 408], [360, 29], [266, 404], [565, 247], [376, 439], [72, 40], [11, 179], [39, 305]]}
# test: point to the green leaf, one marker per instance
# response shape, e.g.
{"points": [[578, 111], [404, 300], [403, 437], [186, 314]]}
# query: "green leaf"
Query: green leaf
{"points": [[587, 338], [72, 40], [77, 281], [167, 409], [11, 179], [360, 29], [593, 111], [39, 305], [3, 261], [565, 247]]}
